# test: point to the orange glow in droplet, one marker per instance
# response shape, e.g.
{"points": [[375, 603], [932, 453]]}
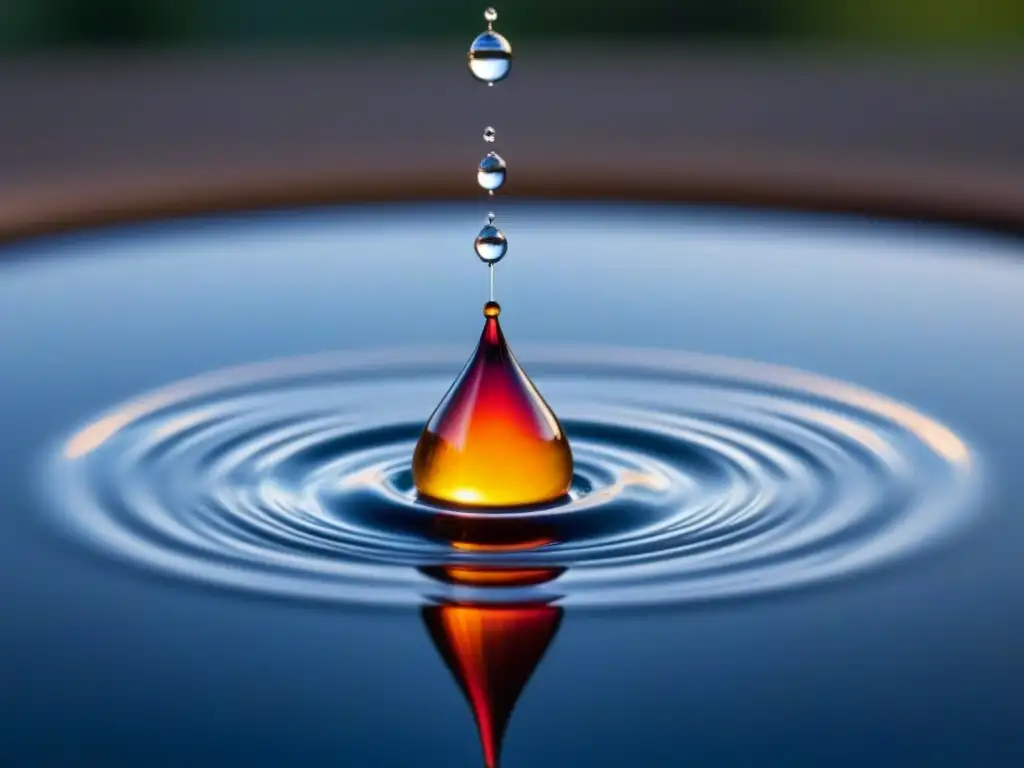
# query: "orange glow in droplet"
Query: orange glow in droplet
{"points": [[492, 651], [493, 441]]}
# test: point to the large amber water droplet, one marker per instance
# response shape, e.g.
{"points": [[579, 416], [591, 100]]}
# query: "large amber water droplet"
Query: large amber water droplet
{"points": [[493, 441], [492, 651]]}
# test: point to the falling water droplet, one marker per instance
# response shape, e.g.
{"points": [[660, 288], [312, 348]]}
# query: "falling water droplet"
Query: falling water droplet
{"points": [[491, 245], [490, 135], [490, 218], [491, 173], [493, 441], [492, 652], [490, 15], [490, 57]]}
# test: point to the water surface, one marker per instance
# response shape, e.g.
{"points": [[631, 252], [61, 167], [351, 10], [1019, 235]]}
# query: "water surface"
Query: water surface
{"points": [[912, 658]]}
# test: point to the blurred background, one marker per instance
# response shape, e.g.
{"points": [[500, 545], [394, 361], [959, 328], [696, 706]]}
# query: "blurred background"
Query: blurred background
{"points": [[947, 24], [129, 107]]}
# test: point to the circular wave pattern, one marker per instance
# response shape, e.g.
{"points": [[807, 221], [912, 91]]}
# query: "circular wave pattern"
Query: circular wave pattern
{"points": [[697, 479]]}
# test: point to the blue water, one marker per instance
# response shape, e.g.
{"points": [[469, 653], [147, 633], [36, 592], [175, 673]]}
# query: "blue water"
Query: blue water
{"points": [[914, 663]]}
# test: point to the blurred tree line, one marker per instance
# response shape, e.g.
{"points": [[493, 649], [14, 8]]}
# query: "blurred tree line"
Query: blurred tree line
{"points": [[28, 24]]}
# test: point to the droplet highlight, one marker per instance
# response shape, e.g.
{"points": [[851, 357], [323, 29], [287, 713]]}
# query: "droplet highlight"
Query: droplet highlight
{"points": [[492, 172], [491, 245], [490, 57], [493, 441]]}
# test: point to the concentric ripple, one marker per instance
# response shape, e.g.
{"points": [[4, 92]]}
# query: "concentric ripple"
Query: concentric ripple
{"points": [[697, 479]]}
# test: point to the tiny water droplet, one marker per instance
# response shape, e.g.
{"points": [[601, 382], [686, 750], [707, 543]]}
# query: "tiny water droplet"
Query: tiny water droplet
{"points": [[491, 245], [490, 15], [491, 217], [492, 309], [490, 134], [491, 173], [490, 57]]}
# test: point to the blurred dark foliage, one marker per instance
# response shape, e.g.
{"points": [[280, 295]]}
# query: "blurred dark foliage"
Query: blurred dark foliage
{"points": [[26, 24]]}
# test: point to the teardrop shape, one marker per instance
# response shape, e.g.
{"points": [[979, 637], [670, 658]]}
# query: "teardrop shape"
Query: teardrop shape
{"points": [[490, 57], [491, 245], [491, 173], [493, 441], [492, 651]]}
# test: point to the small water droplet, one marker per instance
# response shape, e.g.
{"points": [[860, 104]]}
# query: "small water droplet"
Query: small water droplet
{"points": [[492, 309], [490, 15], [491, 173], [491, 245], [490, 57], [490, 134], [490, 218]]}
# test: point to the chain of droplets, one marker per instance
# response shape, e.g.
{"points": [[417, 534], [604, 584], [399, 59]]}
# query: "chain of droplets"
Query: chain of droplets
{"points": [[490, 60]]}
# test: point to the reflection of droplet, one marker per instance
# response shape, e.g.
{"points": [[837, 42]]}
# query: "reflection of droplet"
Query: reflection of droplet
{"points": [[491, 245], [489, 576], [493, 441], [492, 171], [490, 134], [490, 57], [494, 534], [492, 651]]}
